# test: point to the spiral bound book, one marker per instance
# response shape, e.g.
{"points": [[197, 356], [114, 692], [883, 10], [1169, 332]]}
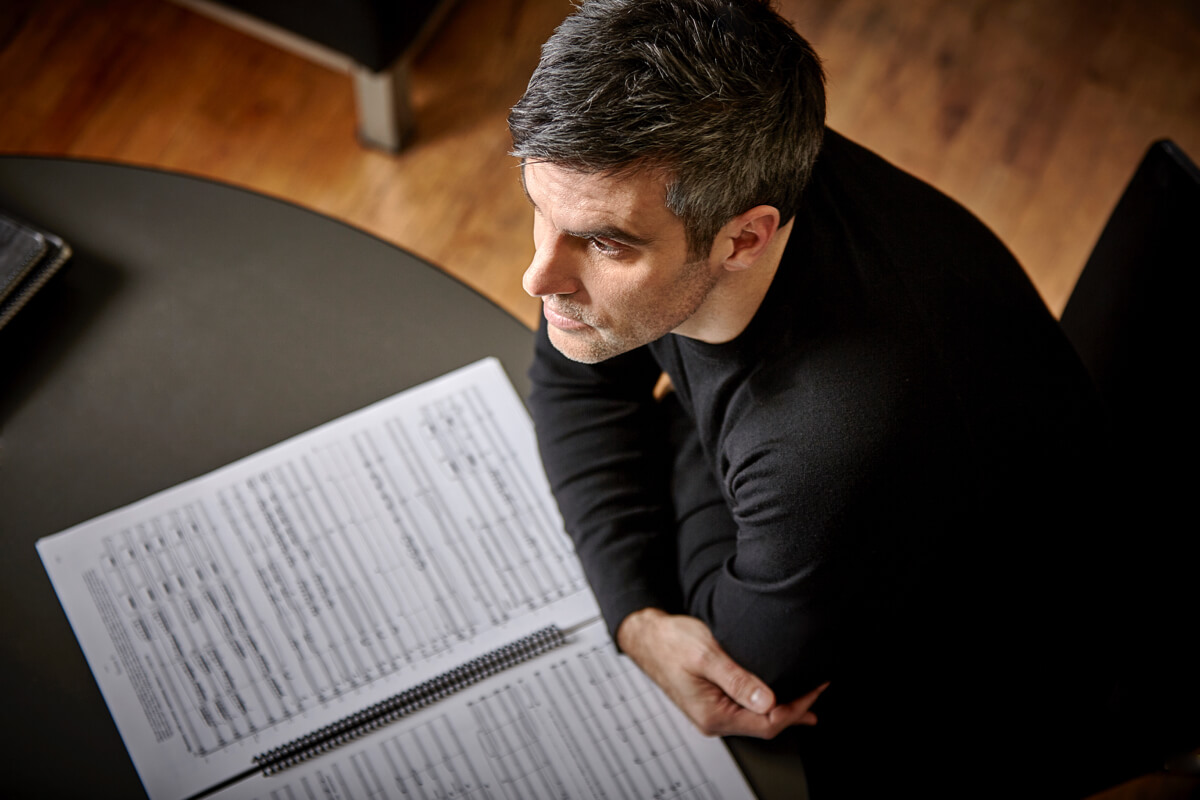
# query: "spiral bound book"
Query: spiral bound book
{"points": [[385, 606], [410, 700]]}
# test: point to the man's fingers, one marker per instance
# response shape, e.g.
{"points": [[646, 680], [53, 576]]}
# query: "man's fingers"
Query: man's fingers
{"points": [[722, 716], [797, 712], [721, 698], [742, 686], [810, 698], [739, 721]]}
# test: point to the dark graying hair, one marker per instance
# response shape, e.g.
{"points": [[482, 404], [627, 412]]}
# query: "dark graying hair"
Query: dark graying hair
{"points": [[723, 96]]}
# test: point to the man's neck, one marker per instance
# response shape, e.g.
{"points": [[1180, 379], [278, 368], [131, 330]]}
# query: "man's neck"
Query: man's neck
{"points": [[737, 296]]}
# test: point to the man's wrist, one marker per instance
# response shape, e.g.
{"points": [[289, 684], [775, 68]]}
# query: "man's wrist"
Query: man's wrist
{"points": [[634, 625]]}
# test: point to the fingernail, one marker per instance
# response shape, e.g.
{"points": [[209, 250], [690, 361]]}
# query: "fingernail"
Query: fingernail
{"points": [[758, 701]]}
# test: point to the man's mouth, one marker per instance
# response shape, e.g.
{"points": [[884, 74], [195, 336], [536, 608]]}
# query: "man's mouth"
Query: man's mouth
{"points": [[561, 320]]}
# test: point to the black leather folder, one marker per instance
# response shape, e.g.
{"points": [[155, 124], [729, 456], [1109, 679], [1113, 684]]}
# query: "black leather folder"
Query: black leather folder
{"points": [[29, 256]]}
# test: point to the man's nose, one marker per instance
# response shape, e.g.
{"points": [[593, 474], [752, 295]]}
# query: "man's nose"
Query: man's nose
{"points": [[552, 271]]}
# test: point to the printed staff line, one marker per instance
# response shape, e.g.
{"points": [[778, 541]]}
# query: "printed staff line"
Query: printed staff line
{"points": [[429, 768], [175, 696], [397, 773], [292, 661], [445, 599], [206, 547], [284, 536], [328, 571], [368, 778], [434, 502], [542, 520], [410, 607], [599, 744], [334, 530], [412, 771], [646, 753], [452, 757], [176, 527], [349, 539], [314, 565], [439, 427], [490, 481], [668, 726], [459, 617], [361, 546], [518, 735], [216, 570], [634, 688], [255, 544], [392, 550], [486, 732], [203, 642]]}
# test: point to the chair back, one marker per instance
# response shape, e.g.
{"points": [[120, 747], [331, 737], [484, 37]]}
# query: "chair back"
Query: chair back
{"points": [[1132, 318]]}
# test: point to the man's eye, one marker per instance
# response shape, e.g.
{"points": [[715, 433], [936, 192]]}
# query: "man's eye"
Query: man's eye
{"points": [[605, 246]]}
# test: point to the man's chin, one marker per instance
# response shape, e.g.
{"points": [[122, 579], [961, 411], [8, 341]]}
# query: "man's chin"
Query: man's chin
{"points": [[584, 347]]}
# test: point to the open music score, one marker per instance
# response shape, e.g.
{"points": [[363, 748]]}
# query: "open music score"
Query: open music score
{"points": [[579, 722], [231, 614]]}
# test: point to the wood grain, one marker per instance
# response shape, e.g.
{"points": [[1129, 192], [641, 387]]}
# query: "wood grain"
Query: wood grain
{"points": [[1033, 115]]}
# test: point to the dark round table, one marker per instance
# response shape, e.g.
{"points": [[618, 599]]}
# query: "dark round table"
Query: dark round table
{"points": [[196, 323]]}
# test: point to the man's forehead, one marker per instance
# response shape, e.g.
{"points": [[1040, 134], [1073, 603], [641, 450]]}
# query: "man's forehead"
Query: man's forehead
{"points": [[628, 193]]}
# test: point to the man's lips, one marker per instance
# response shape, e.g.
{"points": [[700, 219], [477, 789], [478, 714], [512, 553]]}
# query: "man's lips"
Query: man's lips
{"points": [[561, 321]]}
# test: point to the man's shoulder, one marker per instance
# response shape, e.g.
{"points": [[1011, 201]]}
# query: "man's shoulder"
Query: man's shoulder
{"points": [[871, 192], [825, 395], [890, 249]]}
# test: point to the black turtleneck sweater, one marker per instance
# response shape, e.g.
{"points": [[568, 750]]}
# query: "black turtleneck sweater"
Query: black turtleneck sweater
{"points": [[884, 483]]}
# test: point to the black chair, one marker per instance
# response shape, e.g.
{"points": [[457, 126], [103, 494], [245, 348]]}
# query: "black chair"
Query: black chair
{"points": [[372, 40], [1132, 319]]}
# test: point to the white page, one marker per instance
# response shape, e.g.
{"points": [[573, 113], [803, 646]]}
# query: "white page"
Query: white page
{"points": [[230, 614], [578, 723]]}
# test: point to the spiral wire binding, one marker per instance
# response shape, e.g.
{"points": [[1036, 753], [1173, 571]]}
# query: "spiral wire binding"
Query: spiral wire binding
{"points": [[408, 701]]}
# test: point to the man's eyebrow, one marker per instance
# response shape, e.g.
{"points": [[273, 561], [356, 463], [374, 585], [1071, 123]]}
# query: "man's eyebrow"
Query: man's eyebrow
{"points": [[603, 232], [614, 233]]}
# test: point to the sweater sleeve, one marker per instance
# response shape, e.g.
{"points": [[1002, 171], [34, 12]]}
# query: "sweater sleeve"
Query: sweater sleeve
{"points": [[833, 504], [601, 440]]}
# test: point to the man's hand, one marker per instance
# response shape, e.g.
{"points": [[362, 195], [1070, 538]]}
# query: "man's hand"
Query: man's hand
{"points": [[680, 654]]}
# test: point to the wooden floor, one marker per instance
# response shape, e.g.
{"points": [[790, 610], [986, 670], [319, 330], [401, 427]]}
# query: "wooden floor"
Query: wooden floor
{"points": [[1032, 113]]}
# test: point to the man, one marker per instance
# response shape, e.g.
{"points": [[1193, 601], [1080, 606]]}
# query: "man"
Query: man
{"points": [[857, 499]]}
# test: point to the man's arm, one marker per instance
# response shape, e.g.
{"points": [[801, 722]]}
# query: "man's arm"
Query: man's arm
{"points": [[602, 442]]}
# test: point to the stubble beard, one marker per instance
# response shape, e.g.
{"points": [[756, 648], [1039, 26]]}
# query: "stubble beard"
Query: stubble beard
{"points": [[601, 342]]}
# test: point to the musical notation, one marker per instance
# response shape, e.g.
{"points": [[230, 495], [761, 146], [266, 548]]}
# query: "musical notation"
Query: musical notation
{"points": [[579, 723], [287, 592]]}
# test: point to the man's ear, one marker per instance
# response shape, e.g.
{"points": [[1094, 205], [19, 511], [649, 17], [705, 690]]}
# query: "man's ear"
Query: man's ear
{"points": [[747, 235]]}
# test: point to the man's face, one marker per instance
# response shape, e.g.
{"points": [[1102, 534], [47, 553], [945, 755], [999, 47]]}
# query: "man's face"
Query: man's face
{"points": [[611, 262]]}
